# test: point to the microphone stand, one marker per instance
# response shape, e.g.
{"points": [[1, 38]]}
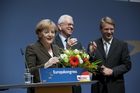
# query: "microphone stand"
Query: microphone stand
{"points": [[22, 53], [28, 76]]}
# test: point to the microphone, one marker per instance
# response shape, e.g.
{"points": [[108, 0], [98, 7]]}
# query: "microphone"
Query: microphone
{"points": [[26, 65]]}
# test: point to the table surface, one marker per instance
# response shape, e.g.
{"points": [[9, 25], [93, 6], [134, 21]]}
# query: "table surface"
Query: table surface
{"points": [[48, 84]]}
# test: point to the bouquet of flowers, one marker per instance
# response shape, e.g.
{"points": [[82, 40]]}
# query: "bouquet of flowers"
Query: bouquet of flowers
{"points": [[78, 58]]}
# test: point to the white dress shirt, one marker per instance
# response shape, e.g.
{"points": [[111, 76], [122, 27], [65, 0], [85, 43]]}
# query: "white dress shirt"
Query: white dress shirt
{"points": [[63, 39], [107, 45]]}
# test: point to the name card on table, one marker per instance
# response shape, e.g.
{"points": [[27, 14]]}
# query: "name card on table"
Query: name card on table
{"points": [[63, 75]]}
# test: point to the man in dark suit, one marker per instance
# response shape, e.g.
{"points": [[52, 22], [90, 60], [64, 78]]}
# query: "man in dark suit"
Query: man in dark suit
{"points": [[64, 38], [115, 59]]}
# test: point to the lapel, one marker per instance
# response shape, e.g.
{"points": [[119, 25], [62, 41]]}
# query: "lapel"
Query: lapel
{"points": [[100, 47], [43, 49], [55, 49], [112, 48], [58, 41]]}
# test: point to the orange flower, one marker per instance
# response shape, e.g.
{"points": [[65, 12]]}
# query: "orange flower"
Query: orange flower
{"points": [[74, 61]]}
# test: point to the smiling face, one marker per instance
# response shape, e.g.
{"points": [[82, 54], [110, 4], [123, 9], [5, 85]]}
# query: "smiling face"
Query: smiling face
{"points": [[107, 27], [66, 25], [107, 31], [45, 31], [47, 36]]}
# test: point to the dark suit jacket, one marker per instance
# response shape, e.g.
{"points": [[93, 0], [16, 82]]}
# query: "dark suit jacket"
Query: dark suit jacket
{"points": [[36, 56], [119, 60], [58, 42]]}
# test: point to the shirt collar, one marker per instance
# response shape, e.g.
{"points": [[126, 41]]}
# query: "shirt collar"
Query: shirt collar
{"points": [[62, 37], [109, 42]]}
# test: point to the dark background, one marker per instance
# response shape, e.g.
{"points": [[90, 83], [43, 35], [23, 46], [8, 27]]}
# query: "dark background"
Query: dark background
{"points": [[18, 19]]}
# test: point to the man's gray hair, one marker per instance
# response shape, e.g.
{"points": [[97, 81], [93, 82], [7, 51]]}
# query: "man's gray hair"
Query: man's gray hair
{"points": [[63, 18]]}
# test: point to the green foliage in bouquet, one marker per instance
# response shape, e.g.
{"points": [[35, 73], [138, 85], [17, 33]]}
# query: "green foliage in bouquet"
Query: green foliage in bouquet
{"points": [[78, 58]]}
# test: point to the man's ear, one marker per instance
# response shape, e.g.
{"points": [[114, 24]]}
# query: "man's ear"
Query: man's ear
{"points": [[59, 27]]}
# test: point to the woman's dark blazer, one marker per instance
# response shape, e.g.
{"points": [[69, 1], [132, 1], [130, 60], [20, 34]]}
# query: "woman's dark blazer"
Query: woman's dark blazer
{"points": [[36, 56]]}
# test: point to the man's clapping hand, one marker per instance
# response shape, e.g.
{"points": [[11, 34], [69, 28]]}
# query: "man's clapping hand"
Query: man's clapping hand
{"points": [[72, 41]]}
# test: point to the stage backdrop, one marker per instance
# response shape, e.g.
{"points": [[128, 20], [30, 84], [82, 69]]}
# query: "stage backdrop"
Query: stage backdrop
{"points": [[18, 19]]}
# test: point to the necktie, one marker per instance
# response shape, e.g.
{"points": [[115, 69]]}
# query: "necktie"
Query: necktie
{"points": [[106, 49], [66, 40], [66, 43]]}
